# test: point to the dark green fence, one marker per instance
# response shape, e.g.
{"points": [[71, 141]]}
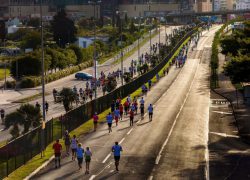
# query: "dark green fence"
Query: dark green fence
{"points": [[17, 152]]}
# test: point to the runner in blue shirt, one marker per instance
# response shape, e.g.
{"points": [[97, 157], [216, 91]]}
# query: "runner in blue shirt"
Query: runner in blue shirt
{"points": [[109, 119], [79, 154], [116, 149], [150, 112]]}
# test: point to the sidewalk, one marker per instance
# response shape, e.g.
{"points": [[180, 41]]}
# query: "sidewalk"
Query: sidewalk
{"points": [[242, 111]]}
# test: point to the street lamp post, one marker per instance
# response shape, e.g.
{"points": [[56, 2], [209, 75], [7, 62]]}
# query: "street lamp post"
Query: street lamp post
{"points": [[121, 39], [139, 37], [5, 73], [43, 81], [94, 3], [159, 38], [150, 27], [165, 31]]}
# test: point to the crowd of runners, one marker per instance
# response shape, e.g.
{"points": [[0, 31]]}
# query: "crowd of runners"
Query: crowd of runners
{"points": [[119, 110]]}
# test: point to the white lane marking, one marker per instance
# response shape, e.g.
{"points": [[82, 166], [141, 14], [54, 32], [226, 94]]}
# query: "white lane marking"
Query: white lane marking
{"points": [[207, 175], [221, 112], [122, 140], [177, 116], [224, 134], [106, 158], [92, 177], [150, 177], [130, 131], [141, 119]]}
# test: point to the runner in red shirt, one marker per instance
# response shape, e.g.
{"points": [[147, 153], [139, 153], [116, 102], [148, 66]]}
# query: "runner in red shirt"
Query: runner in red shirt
{"points": [[131, 116], [126, 107], [95, 120], [57, 151], [121, 110]]}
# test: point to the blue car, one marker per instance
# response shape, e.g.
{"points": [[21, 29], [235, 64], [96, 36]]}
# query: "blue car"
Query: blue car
{"points": [[83, 76]]}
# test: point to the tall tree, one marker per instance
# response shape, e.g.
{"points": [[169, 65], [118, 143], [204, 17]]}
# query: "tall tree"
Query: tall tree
{"points": [[64, 30], [238, 69]]}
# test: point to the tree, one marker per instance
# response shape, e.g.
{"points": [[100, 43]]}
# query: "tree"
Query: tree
{"points": [[34, 22], [30, 64], [13, 119], [230, 44], [63, 28], [68, 97], [78, 53], [31, 40], [31, 116], [27, 116], [132, 27], [238, 69]]}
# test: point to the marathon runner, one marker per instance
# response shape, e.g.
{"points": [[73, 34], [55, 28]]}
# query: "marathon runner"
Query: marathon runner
{"points": [[116, 149]]}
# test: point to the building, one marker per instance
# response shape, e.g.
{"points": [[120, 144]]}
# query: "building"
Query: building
{"points": [[31, 8], [242, 4], [224, 5], [85, 42], [202, 6]]}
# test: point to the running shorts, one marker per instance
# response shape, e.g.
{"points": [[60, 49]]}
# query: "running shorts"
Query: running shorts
{"points": [[117, 158]]}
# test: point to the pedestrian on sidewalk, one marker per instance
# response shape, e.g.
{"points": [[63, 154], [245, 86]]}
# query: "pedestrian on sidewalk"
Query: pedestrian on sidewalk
{"points": [[57, 152], [131, 117], [46, 106], [95, 120], [150, 112], [74, 143], [79, 153], [116, 149], [88, 155], [109, 119], [2, 112], [67, 141], [38, 105]]}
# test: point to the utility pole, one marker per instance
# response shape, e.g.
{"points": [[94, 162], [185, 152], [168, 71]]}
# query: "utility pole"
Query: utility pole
{"points": [[5, 67], [94, 3], [43, 82], [118, 13], [139, 54], [150, 27]]}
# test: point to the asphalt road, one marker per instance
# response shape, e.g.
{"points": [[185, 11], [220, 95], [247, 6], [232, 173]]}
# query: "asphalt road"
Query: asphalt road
{"points": [[173, 146], [56, 109]]}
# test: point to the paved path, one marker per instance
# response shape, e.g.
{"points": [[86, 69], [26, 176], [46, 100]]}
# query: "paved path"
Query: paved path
{"points": [[171, 146]]}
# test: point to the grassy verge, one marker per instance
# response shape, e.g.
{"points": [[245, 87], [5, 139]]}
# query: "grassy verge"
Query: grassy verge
{"points": [[2, 73], [30, 98], [37, 161]]}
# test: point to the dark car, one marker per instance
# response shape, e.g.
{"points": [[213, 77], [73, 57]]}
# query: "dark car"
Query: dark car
{"points": [[83, 76]]}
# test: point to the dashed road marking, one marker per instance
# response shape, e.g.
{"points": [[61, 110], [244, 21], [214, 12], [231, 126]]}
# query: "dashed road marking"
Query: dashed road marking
{"points": [[106, 158], [122, 140], [130, 131]]}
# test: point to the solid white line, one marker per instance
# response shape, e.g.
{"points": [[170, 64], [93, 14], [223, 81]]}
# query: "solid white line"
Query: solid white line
{"points": [[122, 140], [130, 131], [150, 177], [221, 112], [92, 177], [106, 158], [177, 116], [207, 176]]}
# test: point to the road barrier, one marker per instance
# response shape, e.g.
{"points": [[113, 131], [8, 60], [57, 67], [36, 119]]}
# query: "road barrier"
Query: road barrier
{"points": [[17, 152]]}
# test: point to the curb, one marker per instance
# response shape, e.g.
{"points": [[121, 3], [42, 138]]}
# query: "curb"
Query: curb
{"points": [[39, 168]]}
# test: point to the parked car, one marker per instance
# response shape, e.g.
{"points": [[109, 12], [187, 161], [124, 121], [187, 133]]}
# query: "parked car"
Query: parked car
{"points": [[83, 76]]}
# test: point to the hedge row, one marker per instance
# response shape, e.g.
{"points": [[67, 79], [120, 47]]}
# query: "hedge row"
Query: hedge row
{"points": [[214, 56], [33, 81]]}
